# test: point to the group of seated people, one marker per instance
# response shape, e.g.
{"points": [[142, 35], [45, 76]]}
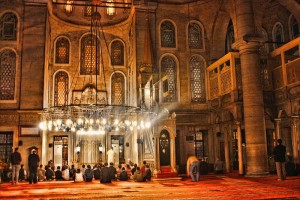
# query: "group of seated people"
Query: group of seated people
{"points": [[100, 171]]}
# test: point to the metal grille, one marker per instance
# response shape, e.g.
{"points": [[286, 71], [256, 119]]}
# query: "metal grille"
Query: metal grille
{"points": [[195, 36], [168, 35], [168, 68], [118, 91], [6, 144], [88, 10], [225, 79], [117, 53], [62, 51], [61, 88], [89, 51], [7, 75], [8, 27], [197, 68]]}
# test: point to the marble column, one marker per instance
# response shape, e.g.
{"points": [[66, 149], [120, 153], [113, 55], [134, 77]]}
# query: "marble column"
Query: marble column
{"points": [[173, 152], [295, 138], [240, 148], [44, 147], [248, 44]]}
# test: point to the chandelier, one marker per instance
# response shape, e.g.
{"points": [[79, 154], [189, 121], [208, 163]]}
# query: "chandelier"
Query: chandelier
{"points": [[90, 114]]}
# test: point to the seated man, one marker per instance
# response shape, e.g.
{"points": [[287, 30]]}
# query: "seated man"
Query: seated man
{"points": [[218, 166]]}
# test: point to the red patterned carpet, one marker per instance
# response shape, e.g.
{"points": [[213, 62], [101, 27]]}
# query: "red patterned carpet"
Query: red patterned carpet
{"points": [[229, 186]]}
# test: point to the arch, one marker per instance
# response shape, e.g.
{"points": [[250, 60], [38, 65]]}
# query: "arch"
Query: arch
{"points": [[164, 148], [277, 34], [218, 36], [167, 34], [118, 88], [197, 79], [293, 27], [89, 48], [117, 52], [8, 71], [169, 74], [62, 50], [9, 26], [195, 35], [61, 88], [230, 37]]}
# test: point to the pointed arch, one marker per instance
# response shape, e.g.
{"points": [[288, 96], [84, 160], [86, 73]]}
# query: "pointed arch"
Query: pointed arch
{"points": [[118, 88], [7, 74], [293, 27], [230, 38], [197, 79], [62, 50], [278, 34], [61, 88]]}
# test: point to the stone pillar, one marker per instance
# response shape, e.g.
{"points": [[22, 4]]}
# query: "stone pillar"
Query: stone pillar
{"points": [[227, 153], [156, 158], [240, 148], [277, 129], [295, 139], [173, 152], [254, 118]]}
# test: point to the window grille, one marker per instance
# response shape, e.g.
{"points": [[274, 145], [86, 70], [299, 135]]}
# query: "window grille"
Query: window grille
{"points": [[117, 53], [89, 49], [195, 36], [168, 35], [168, 69], [197, 68], [61, 88], [278, 35], [6, 144], [118, 89], [7, 75], [62, 51], [8, 27]]}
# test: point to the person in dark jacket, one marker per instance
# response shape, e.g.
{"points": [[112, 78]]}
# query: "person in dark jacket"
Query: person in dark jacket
{"points": [[88, 174], [123, 175], [33, 163], [279, 157], [112, 171], [15, 159], [104, 174], [58, 174], [22, 174]]}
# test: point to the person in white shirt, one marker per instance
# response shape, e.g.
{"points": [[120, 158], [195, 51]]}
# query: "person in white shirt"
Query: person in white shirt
{"points": [[111, 156], [66, 173]]}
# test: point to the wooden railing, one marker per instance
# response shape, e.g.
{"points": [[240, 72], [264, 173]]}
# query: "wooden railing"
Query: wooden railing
{"points": [[285, 64], [224, 76]]}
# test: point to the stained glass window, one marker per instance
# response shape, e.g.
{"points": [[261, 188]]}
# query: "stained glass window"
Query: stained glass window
{"points": [[90, 46], [195, 35], [168, 72], [61, 84], [197, 67], [117, 89], [117, 53], [7, 75], [62, 51], [278, 35], [167, 33], [229, 37], [8, 26]]}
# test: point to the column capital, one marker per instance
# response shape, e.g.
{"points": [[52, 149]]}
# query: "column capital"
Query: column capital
{"points": [[248, 43]]}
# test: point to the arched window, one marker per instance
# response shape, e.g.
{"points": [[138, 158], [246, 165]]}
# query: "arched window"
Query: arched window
{"points": [[195, 36], [90, 46], [61, 85], [229, 37], [117, 53], [167, 33], [7, 75], [294, 27], [8, 27], [169, 80], [117, 89], [197, 67], [278, 35], [62, 51]]}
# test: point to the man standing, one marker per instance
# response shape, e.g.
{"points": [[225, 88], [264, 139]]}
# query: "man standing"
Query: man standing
{"points": [[279, 157], [33, 163], [192, 168], [111, 156], [15, 159]]}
